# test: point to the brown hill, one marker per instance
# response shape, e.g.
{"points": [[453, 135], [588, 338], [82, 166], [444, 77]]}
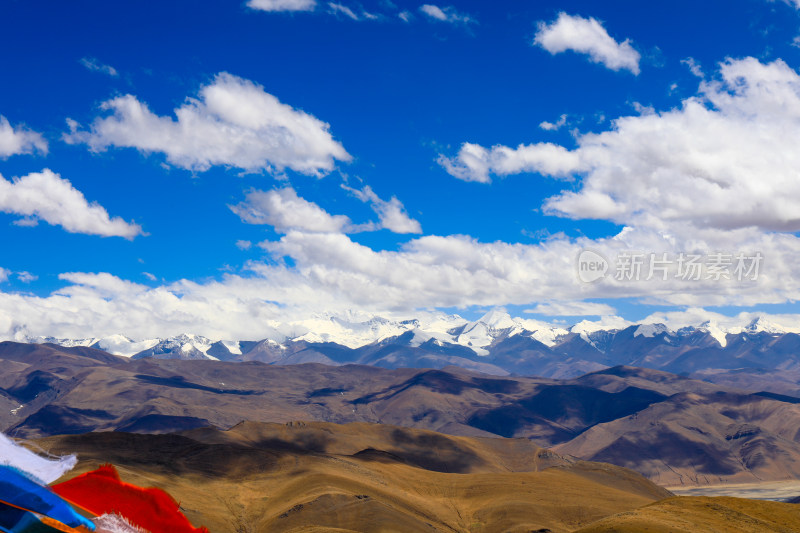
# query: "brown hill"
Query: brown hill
{"points": [[706, 439], [168, 395], [34, 375], [784, 381], [703, 515], [363, 477]]}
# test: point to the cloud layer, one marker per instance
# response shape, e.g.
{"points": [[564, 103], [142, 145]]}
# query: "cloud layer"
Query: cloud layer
{"points": [[47, 196], [233, 122], [331, 272], [572, 309], [587, 36]]}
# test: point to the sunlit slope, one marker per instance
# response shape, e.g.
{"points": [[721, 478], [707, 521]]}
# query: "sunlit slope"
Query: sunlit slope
{"points": [[363, 477], [697, 514]]}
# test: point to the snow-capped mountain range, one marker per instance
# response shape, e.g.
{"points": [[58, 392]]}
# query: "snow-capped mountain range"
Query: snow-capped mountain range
{"points": [[350, 329], [496, 343]]}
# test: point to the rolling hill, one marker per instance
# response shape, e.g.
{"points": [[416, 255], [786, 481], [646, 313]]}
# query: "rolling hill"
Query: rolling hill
{"points": [[363, 477]]}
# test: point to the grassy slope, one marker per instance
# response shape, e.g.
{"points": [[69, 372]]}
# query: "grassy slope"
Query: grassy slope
{"points": [[362, 477], [698, 514]]}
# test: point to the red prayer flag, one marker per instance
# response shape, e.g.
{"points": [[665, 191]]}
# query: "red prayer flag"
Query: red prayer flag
{"points": [[103, 492]]}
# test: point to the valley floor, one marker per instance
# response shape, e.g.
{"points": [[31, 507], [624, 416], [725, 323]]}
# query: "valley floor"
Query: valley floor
{"points": [[771, 490]]}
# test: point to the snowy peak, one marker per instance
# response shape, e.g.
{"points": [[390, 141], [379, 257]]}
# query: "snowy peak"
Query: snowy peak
{"points": [[185, 346], [122, 345], [762, 325], [585, 326], [351, 329], [483, 337], [67, 343], [650, 330], [713, 329], [420, 337], [233, 347], [484, 331], [549, 336], [497, 319]]}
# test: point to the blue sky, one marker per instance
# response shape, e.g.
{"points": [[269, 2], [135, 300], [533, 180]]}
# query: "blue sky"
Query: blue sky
{"points": [[406, 167]]}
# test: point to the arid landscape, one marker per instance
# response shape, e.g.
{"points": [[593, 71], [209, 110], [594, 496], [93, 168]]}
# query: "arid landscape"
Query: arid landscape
{"points": [[363, 477], [311, 447], [673, 430], [366, 477]]}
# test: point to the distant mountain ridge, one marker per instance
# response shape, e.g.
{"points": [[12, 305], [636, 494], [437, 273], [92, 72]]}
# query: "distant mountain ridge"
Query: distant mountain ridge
{"points": [[495, 344]]}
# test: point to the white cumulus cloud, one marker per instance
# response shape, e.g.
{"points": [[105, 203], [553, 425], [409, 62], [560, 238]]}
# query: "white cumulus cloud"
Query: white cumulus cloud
{"points": [[694, 67], [95, 66], [26, 277], [47, 196], [725, 159], [587, 36], [447, 14], [391, 213], [554, 126], [19, 140], [342, 10], [282, 5], [476, 163], [285, 210], [233, 122]]}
